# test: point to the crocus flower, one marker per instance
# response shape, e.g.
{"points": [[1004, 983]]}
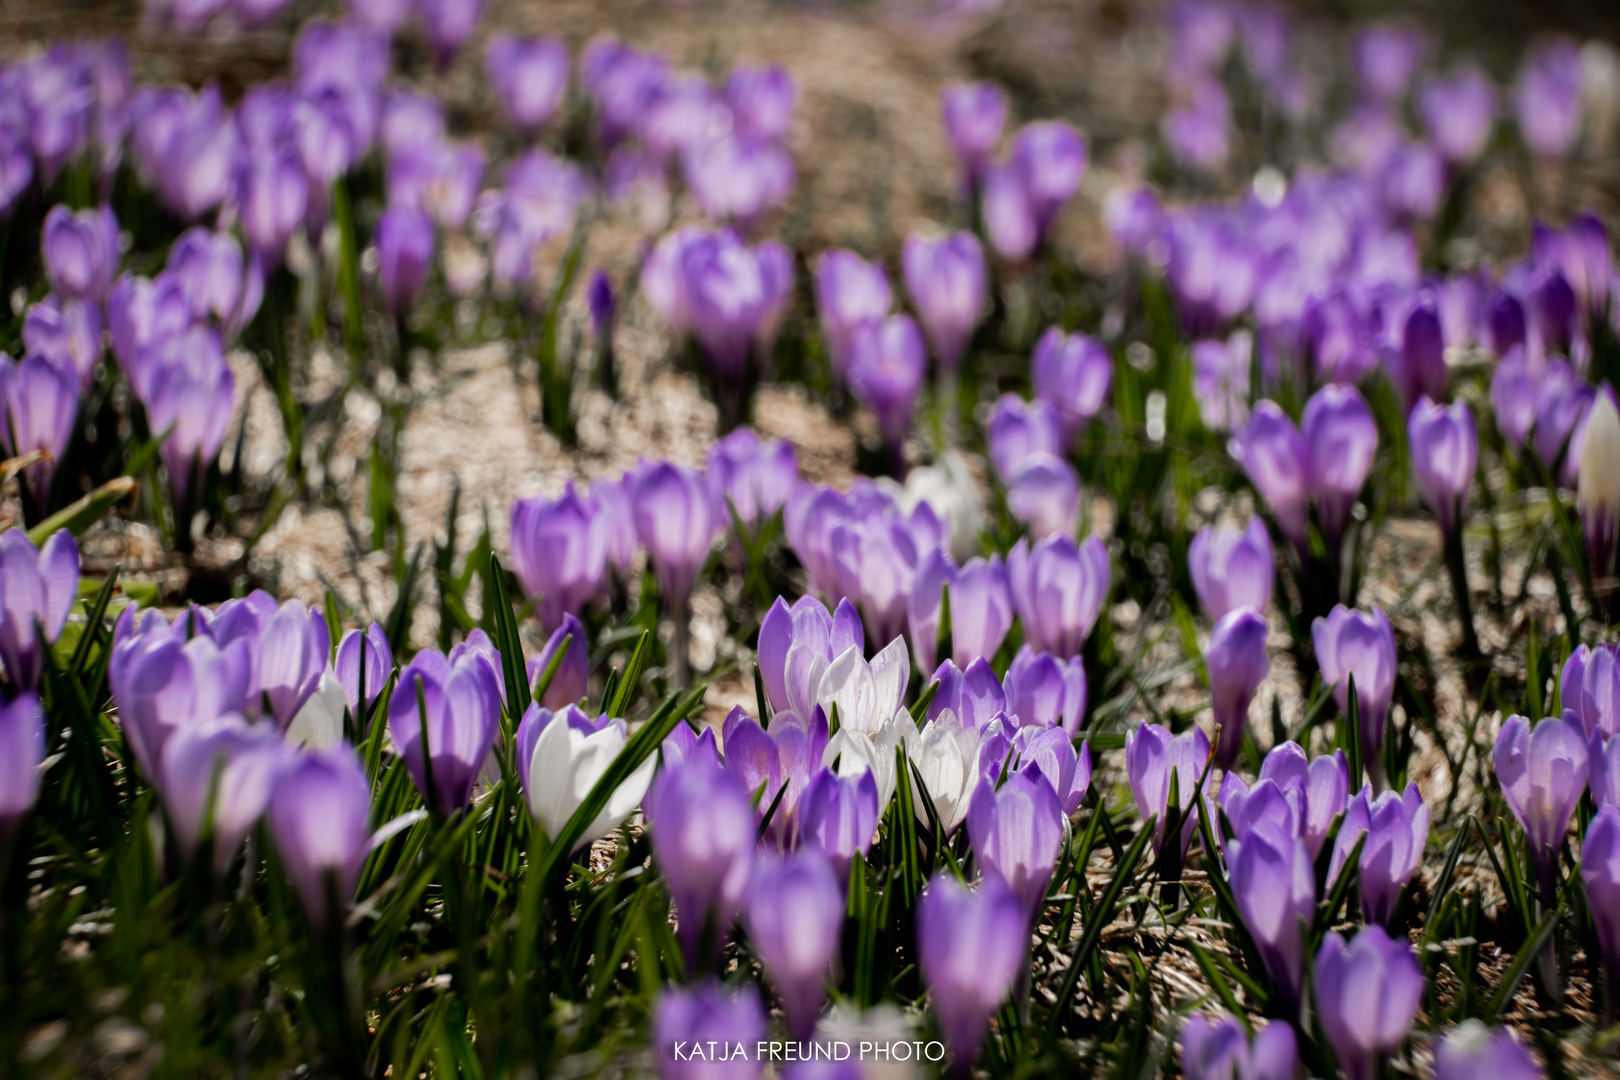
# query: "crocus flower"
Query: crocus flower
{"points": [[981, 608], [161, 682], [1340, 440], [1051, 753], [436, 178], [1232, 569], [974, 114], [291, 655], [1273, 453], [738, 179], [1023, 197], [1275, 889], [874, 561], [566, 759], [318, 810], [1397, 828], [974, 694], [1072, 372], [1562, 398], [838, 815], [795, 646], [1238, 664], [1043, 691], [795, 919], [1313, 793], [1473, 1050], [787, 756], [1221, 1050], [599, 298], [703, 836], [40, 400], [1444, 447], [754, 474], [1221, 380], [142, 312], [364, 660], [22, 749], [1513, 398], [970, 948], [572, 678], [530, 77], [1548, 97], [761, 100], [404, 253], [945, 754], [1350, 643], [1198, 129], [1016, 831], [38, 587], [457, 708], [224, 766], [66, 331], [1589, 687], [887, 363], [1366, 994], [946, 280], [1600, 870], [1418, 367], [1044, 494], [559, 552], [1386, 55], [1018, 428], [1152, 756], [81, 251], [849, 293], [1597, 492], [1058, 588], [1542, 771], [709, 1017], [448, 24], [190, 392], [724, 292], [272, 194], [1459, 112], [675, 523]]}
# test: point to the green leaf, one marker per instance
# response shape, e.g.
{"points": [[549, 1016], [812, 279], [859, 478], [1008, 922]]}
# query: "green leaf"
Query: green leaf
{"points": [[1222, 988], [510, 645], [920, 708], [626, 690], [397, 628], [1442, 884], [1532, 947], [1102, 913], [78, 516], [1328, 912]]}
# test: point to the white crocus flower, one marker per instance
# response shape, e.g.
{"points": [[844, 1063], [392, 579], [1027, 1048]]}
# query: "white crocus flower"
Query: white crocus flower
{"points": [[566, 765], [866, 694], [857, 751], [318, 724], [946, 753]]}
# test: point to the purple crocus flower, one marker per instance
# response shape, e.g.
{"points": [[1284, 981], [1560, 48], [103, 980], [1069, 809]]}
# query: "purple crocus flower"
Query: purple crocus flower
{"points": [[1313, 794], [1023, 197], [1016, 429], [572, 678], [599, 298], [724, 294], [887, 363], [1152, 755], [795, 646], [761, 101], [1350, 643], [1397, 829], [1273, 453], [448, 24], [675, 523], [363, 654], [161, 682], [1444, 447], [946, 280], [140, 314], [981, 608], [1542, 771], [738, 179], [530, 77], [318, 811], [838, 815], [1044, 494], [1548, 97], [1232, 569], [190, 393], [246, 760], [1386, 55], [81, 251], [404, 253], [457, 707], [1043, 691], [974, 695], [849, 293], [191, 148], [559, 552], [1072, 372], [1340, 441], [1016, 831], [795, 920], [1275, 888], [1221, 1050], [612, 495], [703, 836], [272, 195], [754, 474], [219, 284], [1198, 129], [1562, 398], [40, 400], [1513, 398], [290, 658], [1459, 112], [68, 331], [22, 749], [1418, 367], [1589, 687], [1473, 1050], [1366, 994], [1221, 380], [1238, 664], [1600, 870], [436, 178], [970, 947], [1058, 589], [973, 114], [1603, 769], [708, 1016]]}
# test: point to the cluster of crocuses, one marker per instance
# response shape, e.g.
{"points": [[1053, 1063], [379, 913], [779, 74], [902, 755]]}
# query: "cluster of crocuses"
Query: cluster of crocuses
{"points": [[167, 333], [766, 822]]}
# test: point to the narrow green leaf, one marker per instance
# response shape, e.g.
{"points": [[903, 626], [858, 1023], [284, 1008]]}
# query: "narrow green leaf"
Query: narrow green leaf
{"points": [[924, 699], [1327, 913], [631, 678], [510, 645], [1102, 913], [1532, 947], [78, 516]]}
